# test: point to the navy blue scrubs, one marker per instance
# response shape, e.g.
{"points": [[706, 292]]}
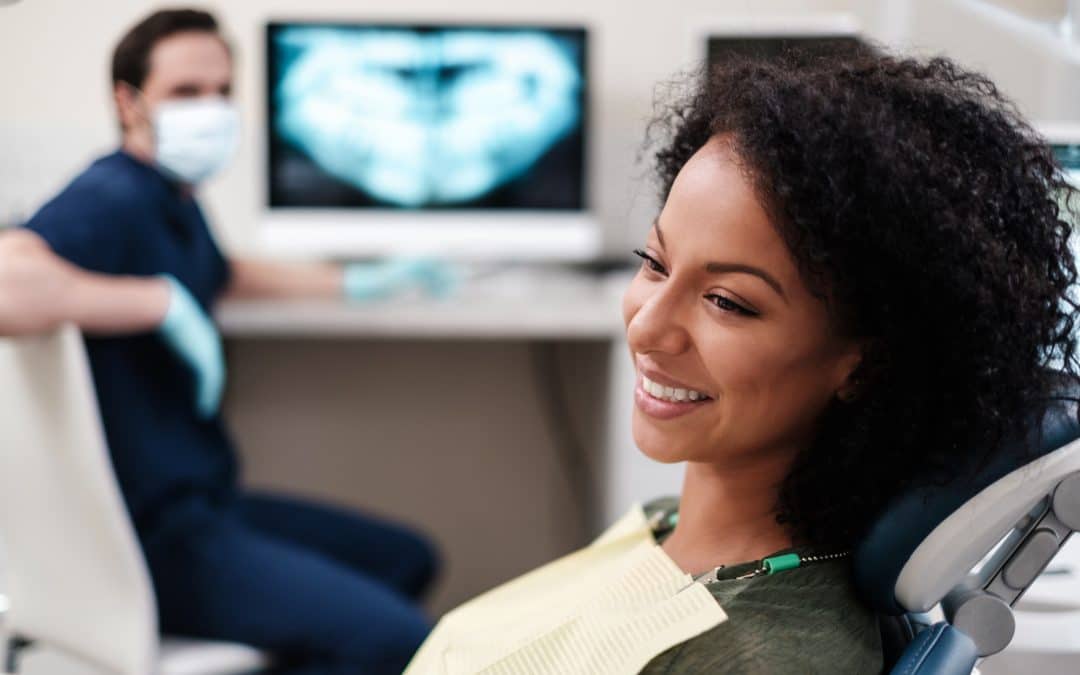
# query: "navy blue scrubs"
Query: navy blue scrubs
{"points": [[329, 591]]}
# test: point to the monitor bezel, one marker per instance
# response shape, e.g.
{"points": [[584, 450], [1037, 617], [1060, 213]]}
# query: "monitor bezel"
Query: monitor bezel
{"points": [[1059, 132], [493, 233]]}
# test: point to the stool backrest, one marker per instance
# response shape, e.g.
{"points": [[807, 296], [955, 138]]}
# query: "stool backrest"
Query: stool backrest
{"points": [[76, 578]]}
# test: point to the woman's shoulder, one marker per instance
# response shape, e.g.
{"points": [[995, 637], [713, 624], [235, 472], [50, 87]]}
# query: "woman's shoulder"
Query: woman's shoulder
{"points": [[806, 620]]}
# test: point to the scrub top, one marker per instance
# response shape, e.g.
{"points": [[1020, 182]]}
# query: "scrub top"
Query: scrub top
{"points": [[123, 217]]}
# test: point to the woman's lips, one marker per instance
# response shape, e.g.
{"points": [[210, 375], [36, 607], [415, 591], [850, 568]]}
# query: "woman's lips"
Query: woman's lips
{"points": [[663, 408]]}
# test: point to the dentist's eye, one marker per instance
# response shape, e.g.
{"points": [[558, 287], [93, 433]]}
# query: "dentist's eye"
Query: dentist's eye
{"points": [[728, 305], [649, 262]]}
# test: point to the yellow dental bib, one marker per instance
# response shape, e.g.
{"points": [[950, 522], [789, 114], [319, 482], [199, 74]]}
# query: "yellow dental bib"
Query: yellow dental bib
{"points": [[609, 608]]}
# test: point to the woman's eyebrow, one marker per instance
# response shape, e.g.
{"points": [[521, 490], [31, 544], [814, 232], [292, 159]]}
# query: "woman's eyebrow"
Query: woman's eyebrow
{"points": [[727, 268]]}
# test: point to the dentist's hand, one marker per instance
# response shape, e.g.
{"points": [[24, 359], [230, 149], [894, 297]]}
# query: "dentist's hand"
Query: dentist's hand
{"points": [[373, 281], [191, 334]]}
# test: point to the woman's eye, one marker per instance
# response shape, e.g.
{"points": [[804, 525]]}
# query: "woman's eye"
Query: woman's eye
{"points": [[649, 261], [728, 305]]}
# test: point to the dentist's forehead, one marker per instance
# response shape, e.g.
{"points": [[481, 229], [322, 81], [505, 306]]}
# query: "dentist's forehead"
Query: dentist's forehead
{"points": [[195, 56]]}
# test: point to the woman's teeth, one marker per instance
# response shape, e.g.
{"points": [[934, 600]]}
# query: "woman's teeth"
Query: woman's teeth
{"points": [[674, 394]]}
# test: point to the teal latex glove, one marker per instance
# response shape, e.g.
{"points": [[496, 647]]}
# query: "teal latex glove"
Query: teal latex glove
{"points": [[191, 334], [378, 280]]}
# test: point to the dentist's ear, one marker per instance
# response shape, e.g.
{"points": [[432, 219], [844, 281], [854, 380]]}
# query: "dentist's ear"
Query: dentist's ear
{"points": [[130, 108], [124, 99]]}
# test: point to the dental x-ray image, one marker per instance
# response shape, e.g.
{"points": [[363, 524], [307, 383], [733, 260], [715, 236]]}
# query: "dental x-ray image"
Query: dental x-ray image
{"points": [[1068, 155], [426, 117]]}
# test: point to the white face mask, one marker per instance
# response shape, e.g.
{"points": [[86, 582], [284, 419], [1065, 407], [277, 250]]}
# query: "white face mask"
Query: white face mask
{"points": [[194, 138]]}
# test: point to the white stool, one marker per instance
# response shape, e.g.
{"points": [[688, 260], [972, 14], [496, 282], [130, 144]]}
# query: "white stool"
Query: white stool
{"points": [[76, 578]]}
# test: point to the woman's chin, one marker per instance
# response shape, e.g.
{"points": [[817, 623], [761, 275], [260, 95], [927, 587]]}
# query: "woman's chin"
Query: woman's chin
{"points": [[658, 445]]}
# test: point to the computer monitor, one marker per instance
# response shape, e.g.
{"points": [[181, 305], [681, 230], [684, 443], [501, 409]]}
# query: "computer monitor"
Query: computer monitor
{"points": [[1064, 140], [458, 140], [769, 35]]}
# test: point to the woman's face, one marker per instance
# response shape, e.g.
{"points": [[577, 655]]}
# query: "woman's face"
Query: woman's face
{"points": [[735, 358]]}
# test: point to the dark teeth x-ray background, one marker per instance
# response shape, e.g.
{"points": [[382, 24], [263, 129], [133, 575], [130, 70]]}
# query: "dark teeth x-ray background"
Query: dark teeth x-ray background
{"points": [[412, 117]]}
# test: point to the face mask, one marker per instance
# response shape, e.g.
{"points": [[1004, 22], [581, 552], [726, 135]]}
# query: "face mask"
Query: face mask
{"points": [[194, 138]]}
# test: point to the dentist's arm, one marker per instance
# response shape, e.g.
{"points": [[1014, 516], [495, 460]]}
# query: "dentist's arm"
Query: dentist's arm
{"points": [[256, 279], [252, 279], [39, 290]]}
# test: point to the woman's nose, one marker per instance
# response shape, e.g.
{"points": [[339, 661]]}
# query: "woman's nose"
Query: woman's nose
{"points": [[658, 325]]}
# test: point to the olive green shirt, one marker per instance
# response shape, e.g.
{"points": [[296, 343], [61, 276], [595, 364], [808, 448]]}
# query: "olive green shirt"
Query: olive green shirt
{"points": [[800, 621]]}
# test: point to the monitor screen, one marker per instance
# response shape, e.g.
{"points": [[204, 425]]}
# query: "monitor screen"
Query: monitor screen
{"points": [[426, 117], [1068, 155], [1064, 141], [767, 46]]}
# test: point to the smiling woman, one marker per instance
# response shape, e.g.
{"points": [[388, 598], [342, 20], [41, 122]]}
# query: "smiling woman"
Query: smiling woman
{"points": [[719, 307], [860, 278], [862, 264], [909, 214]]}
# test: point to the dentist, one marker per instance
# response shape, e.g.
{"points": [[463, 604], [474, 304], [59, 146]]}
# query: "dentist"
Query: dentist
{"points": [[124, 252]]}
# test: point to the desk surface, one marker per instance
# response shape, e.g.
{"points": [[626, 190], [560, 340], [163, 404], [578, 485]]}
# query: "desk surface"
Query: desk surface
{"points": [[557, 306]]}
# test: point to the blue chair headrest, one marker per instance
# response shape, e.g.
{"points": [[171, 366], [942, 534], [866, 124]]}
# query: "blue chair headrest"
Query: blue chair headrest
{"points": [[938, 650], [909, 519]]}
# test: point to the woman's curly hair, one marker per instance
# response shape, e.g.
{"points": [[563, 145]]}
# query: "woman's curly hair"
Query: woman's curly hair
{"points": [[931, 218]]}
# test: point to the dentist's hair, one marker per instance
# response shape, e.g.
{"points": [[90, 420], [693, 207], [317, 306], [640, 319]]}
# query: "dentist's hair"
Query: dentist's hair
{"points": [[131, 57], [934, 223]]}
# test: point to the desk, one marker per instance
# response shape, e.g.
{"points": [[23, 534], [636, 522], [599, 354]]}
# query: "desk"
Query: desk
{"points": [[477, 343], [565, 308]]}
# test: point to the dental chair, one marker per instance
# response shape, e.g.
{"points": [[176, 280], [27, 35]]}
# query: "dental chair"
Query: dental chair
{"points": [[968, 550], [75, 576]]}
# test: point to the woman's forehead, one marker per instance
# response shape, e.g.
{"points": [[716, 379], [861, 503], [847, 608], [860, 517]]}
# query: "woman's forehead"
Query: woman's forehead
{"points": [[714, 208]]}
